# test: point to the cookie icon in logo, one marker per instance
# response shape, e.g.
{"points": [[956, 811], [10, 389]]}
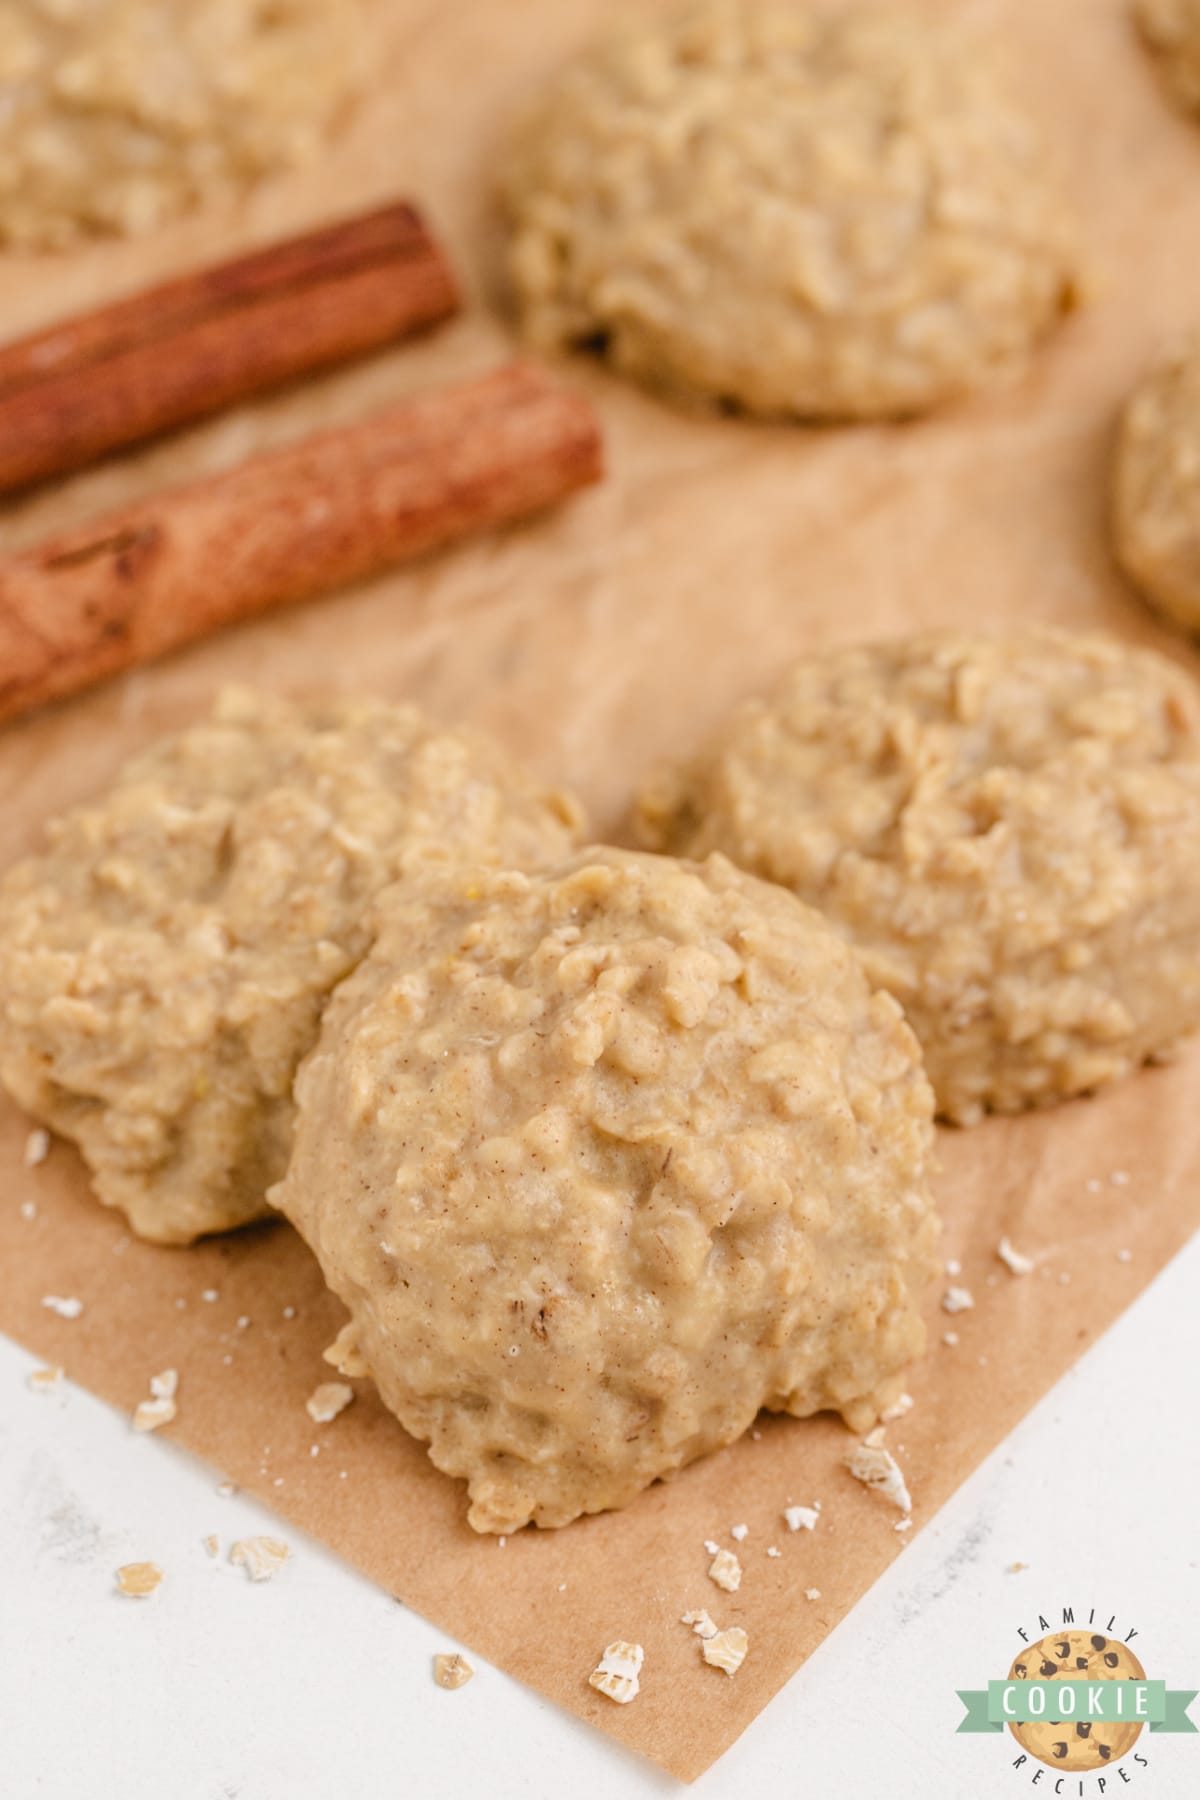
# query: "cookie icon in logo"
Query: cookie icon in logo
{"points": [[1077, 1656]]}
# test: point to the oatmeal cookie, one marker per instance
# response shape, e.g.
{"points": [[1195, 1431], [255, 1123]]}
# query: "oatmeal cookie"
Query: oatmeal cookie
{"points": [[604, 1159], [164, 964], [831, 212], [1156, 486], [119, 114], [1005, 826]]}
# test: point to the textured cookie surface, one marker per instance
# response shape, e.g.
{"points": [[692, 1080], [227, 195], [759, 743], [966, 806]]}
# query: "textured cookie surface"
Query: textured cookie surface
{"points": [[1172, 30], [1007, 829], [1156, 490], [163, 965], [602, 1160], [807, 209], [1077, 1656], [119, 114]]}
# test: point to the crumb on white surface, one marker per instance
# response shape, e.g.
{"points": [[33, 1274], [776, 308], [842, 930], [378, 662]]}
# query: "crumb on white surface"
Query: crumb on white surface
{"points": [[1015, 1568], [261, 1557], [225, 1489], [212, 1543], [328, 1400], [66, 1308], [138, 1580], [450, 1670], [37, 1147], [878, 1469], [801, 1518], [727, 1650], [618, 1671], [1012, 1258], [726, 1571], [47, 1380], [740, 1532], [957, 1299]]}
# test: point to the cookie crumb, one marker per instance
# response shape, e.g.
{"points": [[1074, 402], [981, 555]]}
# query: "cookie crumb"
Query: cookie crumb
{"points": [[210, 1295], [450, 1670], [29, 1209], [1092, 1186], [801, 1518], [726, 1571], [701, 1623], [261, 1557], [137, 1580], [812, 1593], [166, 1385], [148, 1415], [327, 1401], [957, 1299], [617, 1672], [37, 1148], [727, 1650], [225, 1489], [1120, 1178], [903, 1524], [950, 1337], [68, 1308], [289, 1312], [898, 1408], [47, 1380], [878, 1469], [953, 1267], [1064, 1279], [740, 1532], [242, 1323], [1015, 1568], [1125, 1256], [345, 1354], [1012, 1259], [772, 1550], [212, 1543]]}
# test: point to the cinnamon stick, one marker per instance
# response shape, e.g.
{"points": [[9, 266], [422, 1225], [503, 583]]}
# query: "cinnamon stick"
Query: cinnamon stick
{"points": [[283, 527], [184, 350]]}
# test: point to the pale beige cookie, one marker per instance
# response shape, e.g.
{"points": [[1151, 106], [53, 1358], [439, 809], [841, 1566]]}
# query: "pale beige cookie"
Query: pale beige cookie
{"points": [[602, 1160], [1006, 827], [1073, 1744], [119, 114], [805, 209], [164, 963], [1156, 486], [1171, 28]]}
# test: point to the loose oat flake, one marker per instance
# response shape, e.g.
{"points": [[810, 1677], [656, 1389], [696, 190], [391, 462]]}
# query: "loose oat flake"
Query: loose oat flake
{"points": [[617, 1672], [450, 1670], [45, 1381], [327, 1401], [1012, 1258], [877, 1468], [727, 1650], [137, 1580], [726, 1571], [261, 1557], [68, 1308], [701, 1623]]}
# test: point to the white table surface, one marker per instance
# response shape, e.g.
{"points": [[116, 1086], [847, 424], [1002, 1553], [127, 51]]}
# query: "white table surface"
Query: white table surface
{"points": [[317, 1686]]}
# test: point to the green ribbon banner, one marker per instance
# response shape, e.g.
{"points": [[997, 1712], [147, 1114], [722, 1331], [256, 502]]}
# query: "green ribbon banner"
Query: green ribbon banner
{"points": [[1012, 1702]]}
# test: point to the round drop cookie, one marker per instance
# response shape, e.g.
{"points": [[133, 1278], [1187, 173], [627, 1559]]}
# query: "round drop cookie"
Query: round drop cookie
{"points": [[1006, 827], [1076, 1744], [1156, 486], [164, 963], [120, 114], [826, 211], [1171, 28], [604, 1159]]}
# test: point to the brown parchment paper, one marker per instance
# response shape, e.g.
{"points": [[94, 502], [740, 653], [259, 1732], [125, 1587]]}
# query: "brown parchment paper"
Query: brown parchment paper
{"points": [[592, 641]]}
